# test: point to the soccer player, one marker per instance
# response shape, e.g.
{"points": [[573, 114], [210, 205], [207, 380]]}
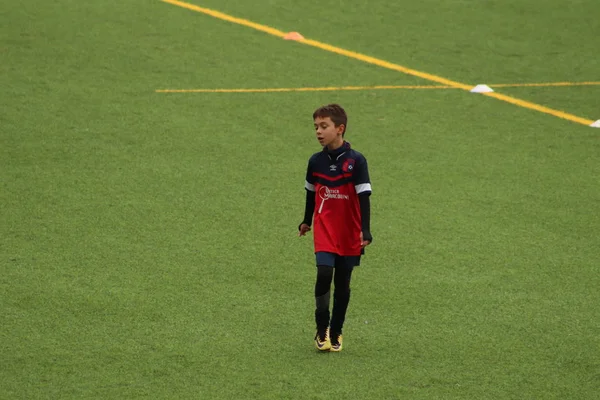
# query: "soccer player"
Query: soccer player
{"points": [[337, 198]]}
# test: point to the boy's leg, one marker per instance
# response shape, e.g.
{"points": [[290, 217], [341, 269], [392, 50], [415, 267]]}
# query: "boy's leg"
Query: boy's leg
{"points": [[322, 296], [325, 263], [341, 294]]}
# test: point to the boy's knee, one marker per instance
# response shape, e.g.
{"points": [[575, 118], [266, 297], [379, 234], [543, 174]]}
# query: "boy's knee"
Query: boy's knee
{"points": [[324, 271], [324, 277]]}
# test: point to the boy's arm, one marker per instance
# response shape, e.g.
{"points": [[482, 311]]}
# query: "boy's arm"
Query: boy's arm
{"points": [[365, 215], [309, 208], [363, 189]]}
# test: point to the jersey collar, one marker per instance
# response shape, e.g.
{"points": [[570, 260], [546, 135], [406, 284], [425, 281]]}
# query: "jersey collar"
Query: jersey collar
{"points": [[334, 154]]}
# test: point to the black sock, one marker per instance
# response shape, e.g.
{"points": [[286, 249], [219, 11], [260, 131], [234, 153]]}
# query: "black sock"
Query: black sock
{"points": [[341, 299], [338, 314], [322, 296]]}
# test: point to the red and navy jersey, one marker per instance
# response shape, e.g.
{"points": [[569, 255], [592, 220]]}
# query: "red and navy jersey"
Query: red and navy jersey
{"points": [[337, 178]]}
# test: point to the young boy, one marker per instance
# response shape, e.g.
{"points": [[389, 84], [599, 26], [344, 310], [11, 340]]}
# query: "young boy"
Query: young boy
{"points": [[337, 196]]}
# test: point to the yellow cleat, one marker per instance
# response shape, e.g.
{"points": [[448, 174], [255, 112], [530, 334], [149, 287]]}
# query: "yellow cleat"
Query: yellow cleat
{"points": [[322, 341], [336, 343]]}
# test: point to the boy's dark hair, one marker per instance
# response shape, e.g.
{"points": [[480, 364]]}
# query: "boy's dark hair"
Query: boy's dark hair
{"points": [[335, 112]]}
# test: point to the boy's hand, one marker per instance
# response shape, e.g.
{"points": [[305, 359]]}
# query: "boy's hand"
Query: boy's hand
{"points": [[364, 243], [302, 229]]}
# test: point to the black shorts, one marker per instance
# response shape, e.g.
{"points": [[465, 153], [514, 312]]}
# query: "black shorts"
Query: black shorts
{"points": [[334, 260]]}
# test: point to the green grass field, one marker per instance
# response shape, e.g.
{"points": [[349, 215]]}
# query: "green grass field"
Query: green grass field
{"points": [[149, 245]]}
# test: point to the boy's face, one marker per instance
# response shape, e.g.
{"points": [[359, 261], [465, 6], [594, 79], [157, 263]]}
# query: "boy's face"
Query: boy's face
{"points": [[327, 133]]}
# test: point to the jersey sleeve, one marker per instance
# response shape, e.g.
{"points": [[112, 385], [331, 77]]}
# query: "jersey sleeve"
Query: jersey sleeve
{"points": [[362, 182], [310, 181]]}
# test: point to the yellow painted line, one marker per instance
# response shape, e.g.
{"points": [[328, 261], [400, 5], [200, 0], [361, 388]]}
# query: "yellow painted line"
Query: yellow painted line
{"points": [[386, 64], [547, 84], [540, 108], [379, 62], [378, 87], [229, 18], [305, 89]]}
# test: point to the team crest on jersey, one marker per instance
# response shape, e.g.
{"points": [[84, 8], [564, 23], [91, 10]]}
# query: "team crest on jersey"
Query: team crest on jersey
{"points": [[348, 165]]}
